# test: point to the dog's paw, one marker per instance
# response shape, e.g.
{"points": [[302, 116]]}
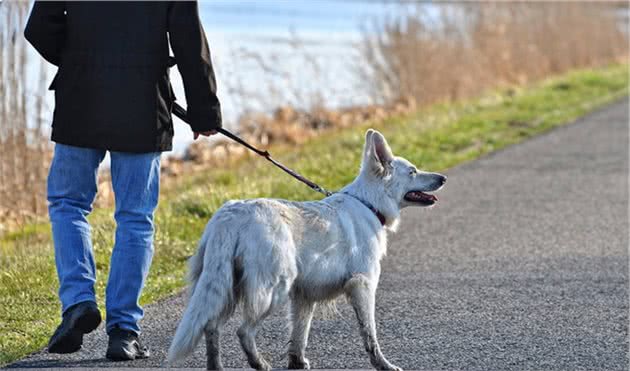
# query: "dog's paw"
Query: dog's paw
{"points": [[391, 367], [387, 366], [298, 364], [263, 365]]}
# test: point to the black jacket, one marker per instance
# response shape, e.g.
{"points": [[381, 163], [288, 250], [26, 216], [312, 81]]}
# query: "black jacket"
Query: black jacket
{"points": [[112, 89]]}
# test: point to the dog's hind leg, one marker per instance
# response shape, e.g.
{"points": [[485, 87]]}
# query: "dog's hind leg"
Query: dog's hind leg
{"points": [[301, 316], [213, 355], [362, 297], [256, 308], [247, 337]]}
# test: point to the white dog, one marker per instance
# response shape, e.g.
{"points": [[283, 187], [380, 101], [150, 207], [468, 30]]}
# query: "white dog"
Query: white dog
{"points": [[264, 252]]}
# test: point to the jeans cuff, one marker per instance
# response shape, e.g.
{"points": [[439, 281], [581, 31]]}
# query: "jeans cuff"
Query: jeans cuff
{"points": [[77, 300], [123, 326]]}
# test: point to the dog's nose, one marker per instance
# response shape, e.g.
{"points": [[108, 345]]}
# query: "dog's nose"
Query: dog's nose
{"points": [[443, 179]]}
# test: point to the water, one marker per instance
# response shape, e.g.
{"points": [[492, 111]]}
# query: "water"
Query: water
{"points": [[309, 45]]}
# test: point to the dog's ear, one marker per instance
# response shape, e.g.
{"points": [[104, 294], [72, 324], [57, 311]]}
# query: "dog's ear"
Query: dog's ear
{"points": [[382, 150], [367, 148], [368, 135], [377, 154]]}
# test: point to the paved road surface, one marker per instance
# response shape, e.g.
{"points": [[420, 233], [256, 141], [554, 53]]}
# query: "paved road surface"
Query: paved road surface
{"points": [[523, 264]]}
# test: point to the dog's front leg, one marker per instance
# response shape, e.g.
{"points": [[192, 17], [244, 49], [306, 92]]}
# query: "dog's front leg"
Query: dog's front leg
{"points": [[301, 316], [361, 294]]}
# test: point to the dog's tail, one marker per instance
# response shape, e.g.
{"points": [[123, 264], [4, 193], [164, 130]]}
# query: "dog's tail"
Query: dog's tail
{"points": [[211, 295]]}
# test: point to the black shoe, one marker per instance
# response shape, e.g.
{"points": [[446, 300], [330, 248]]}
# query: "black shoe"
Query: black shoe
{"points": [[124, 346], [79, 319]]}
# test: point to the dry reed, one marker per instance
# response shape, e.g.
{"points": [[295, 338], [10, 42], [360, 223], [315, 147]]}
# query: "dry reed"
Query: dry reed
{"points": [[456, 50], [24, 149]]}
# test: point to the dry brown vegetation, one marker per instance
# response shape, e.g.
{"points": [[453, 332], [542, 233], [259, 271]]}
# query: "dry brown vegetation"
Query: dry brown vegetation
{"points": [[462, 49], [24, 150]]}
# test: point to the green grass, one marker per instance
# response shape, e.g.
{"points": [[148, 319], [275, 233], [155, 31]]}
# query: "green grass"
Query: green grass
{"points": [[435, 138]]}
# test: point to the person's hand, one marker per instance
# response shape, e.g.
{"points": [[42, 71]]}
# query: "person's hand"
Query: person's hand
{"points": [[204, 133]]}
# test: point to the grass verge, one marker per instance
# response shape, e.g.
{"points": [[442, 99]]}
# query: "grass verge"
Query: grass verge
{"points": [[435, 138]]}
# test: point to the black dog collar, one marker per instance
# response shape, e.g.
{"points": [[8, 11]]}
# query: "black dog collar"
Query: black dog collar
{"points": [[374, 210]]}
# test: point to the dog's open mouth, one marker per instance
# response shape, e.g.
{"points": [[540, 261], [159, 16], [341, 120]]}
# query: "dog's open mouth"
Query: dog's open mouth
{"points": [[420, 198]]}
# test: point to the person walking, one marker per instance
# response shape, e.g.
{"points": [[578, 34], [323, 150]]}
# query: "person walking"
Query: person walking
{"points": [[113, 94]]}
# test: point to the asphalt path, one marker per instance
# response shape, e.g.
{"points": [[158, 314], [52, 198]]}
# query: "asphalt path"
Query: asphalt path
{"points": [[523, 264]]}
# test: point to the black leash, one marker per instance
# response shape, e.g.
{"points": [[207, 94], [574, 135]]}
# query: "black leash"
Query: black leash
{"points": [[180, 112]]}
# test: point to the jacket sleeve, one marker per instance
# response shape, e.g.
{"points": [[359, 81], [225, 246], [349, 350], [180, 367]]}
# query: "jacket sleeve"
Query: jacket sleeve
{"points": [[46, 29], [192, 54]]}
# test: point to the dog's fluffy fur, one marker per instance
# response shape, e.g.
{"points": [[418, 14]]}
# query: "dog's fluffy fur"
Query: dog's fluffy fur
{"points": [[261, 253]]}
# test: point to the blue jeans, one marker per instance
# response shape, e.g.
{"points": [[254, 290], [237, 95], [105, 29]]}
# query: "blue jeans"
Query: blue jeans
{"points": [[71, 191]]}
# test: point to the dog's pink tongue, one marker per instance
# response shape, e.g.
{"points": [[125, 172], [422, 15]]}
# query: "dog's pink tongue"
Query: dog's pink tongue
{"points": [[427, 196], [420, 196]]}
